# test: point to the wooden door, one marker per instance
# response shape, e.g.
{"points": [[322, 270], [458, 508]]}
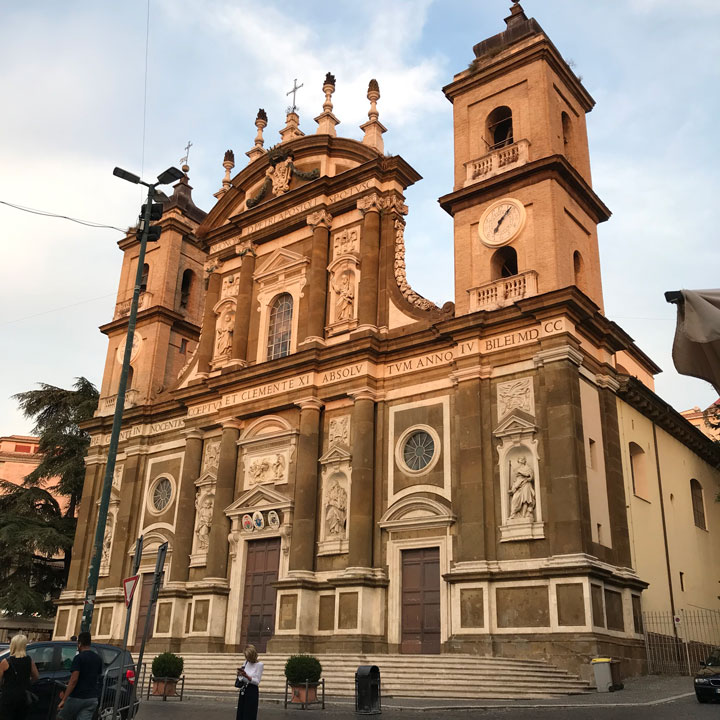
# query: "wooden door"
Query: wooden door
{"points": [[145, 591], [420, 601], [261, 572]]}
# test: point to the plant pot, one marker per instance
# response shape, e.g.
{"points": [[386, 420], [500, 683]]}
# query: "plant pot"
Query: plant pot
{"points": [[303, 693], [165, 687]]}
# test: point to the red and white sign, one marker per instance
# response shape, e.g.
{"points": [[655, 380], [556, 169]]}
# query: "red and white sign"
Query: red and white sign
{"points": [[129, 585]]}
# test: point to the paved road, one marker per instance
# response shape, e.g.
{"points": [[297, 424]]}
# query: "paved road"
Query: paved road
{"points": [[684, 708]]}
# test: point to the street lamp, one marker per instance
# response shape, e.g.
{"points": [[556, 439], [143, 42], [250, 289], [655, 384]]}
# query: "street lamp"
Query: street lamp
{"points": [[164, 178]]}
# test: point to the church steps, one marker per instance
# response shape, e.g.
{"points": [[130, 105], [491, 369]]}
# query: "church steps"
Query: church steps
{"points": [[461, 676]]}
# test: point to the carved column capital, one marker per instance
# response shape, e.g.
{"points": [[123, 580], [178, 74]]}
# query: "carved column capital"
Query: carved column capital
{"points": [[394, 203], [231, 423], [193, 434], [310, 403], [366, 393], [319, 218], [369, 203]]}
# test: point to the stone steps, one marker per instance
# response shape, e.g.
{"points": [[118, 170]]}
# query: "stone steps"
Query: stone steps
{"points": [[447, 676]]}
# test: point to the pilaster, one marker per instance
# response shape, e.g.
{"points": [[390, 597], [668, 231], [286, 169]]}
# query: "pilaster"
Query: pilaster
{"points": [[320, 222], [207, 336], [186, 500], [302, 549], [217, 556], [369, 206], [244, 308]]}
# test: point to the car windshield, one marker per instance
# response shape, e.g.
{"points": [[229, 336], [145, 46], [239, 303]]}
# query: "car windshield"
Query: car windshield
{"points": [[714, 659]]}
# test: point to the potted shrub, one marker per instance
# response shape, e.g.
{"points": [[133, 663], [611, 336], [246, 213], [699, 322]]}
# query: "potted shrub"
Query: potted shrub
{"points": [[303, 672], [166, 669]]}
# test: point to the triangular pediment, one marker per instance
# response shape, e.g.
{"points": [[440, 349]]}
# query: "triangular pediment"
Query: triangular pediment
{"points": [[516, 423], [262, 497], [335, 454], [207, 478], [281, 259]]}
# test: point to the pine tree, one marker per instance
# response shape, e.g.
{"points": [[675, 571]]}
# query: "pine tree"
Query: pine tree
{"points": [[36, 535]]}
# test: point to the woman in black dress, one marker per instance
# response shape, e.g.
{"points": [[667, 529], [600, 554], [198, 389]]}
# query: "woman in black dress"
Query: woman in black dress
{"points": [[248, 679], [17, 671]]}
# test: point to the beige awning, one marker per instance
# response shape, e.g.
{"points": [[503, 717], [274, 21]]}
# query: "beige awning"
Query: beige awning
{"points": [[696, 348]]}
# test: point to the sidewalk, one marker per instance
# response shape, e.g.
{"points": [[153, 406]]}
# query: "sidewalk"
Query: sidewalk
{"points": [[643, 691]]}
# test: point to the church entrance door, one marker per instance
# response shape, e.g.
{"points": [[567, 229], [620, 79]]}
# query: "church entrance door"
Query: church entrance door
{"points": [[420, 601], [145, 589], [258, 616]]}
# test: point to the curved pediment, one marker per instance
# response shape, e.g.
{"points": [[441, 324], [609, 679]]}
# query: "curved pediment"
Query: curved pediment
{"points": [[330, 156], [415, 512]]}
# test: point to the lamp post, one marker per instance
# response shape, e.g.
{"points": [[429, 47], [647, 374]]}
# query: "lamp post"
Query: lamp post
{"points": [[166, 177]]}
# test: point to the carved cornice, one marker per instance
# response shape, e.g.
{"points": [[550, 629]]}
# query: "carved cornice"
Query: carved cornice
{"points": [[564, 352], [394, 203], [645, 401]]}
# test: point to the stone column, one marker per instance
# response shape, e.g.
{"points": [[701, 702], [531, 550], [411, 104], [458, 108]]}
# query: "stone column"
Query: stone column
{"points": [[185, 525], [207, 338], [320, 222], [468, 439], [369, 259], [217, 555], [244, 307], [362, 442], [302, 547]]}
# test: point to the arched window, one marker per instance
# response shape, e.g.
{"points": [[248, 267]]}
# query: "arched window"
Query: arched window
{"points": [[579, 270], [188, 279], [280, 327], [638, 471], [567, 134], [130, 377], [499, 128], [504, 263], [698, 506], [144, 278]]}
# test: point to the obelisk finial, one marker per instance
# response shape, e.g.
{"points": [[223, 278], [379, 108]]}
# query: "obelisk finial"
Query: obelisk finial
{"points": [[326, 120]]}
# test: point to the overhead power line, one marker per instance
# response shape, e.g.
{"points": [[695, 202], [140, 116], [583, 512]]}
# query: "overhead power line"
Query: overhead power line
{"points": [[44, 213], [56, 309]]}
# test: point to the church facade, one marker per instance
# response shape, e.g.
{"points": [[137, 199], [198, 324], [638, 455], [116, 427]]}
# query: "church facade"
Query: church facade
{"points": [[340, 465]]}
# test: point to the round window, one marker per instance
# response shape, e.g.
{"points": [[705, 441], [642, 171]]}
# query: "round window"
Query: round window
{"points": [[418, 450], [161, 494]]}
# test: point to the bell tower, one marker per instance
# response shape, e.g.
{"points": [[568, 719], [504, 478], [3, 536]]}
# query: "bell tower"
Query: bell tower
{"points": [[170, 305], [524, 210]]}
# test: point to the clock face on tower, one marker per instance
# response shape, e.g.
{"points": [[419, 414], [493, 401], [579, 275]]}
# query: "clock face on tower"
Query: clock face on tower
{"points": [[501, 222]]}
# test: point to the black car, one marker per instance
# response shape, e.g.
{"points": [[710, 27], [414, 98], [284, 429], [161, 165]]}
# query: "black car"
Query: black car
{"points": [[707, 679], [53, 660]]}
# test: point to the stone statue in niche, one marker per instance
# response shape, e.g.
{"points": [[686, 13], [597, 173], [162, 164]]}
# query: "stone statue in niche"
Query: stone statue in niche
{"points": [[204, 506], [344, 296], [278, 467], [224, 334], [212, 456], [107, 540], [522, 490], [339, 431], [335, 510]]}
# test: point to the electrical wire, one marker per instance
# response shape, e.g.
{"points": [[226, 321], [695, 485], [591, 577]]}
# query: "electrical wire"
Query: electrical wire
{"points": [[44, 213], [56, 309]]}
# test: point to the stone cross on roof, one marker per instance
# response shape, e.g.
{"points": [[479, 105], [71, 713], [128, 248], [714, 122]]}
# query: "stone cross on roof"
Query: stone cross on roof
{"points": [[296, 87]]}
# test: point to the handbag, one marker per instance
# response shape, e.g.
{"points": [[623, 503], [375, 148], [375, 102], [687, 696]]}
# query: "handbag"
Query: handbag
{"points": [[241, 682], [30, 697]]}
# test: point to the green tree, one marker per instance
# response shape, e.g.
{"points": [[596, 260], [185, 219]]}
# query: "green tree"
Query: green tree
{"points": [[36, 535]]}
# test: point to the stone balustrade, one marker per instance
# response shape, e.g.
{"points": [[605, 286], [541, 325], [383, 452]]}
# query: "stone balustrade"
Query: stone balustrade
{"points": [[122, 309], [497, 161], [106, 406], [503, 292]]}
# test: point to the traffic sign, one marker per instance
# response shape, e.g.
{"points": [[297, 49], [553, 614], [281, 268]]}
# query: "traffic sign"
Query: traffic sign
{"points": [[129, 585]]}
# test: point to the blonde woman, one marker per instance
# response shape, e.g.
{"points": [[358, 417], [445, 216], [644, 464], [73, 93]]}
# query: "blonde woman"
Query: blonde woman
{"points": [[17, 671], [248, 679]]}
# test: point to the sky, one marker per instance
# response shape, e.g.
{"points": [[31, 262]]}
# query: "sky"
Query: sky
{"points": [[76, 101]]}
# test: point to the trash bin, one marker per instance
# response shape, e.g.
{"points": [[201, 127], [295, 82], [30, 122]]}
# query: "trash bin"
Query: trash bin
{"points": [[367, 690], [607, 674]]}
